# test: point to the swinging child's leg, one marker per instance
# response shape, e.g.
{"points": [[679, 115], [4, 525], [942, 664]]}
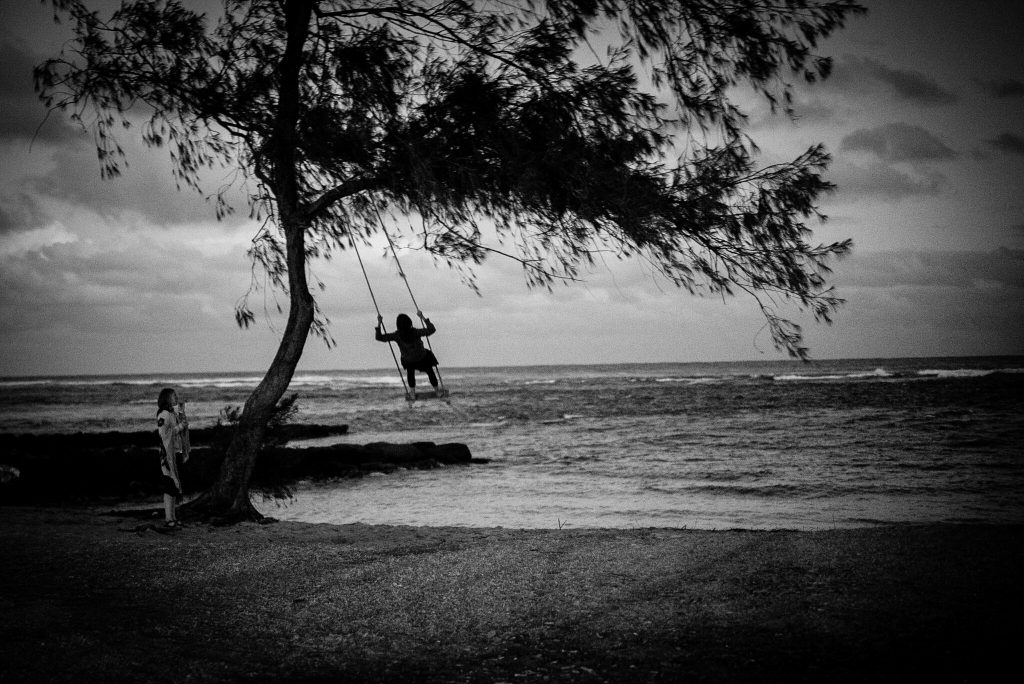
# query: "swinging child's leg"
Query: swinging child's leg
{"points": [[430, 376], [411, 377]]}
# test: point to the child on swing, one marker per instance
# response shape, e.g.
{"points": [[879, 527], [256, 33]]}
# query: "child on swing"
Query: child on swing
{"points": [[415, 357]]}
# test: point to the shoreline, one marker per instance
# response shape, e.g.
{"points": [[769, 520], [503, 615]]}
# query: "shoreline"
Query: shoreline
{"points": [[94, 597]]}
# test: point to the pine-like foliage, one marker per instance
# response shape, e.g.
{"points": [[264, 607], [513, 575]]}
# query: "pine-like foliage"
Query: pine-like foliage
{"points": [[560, 123]]}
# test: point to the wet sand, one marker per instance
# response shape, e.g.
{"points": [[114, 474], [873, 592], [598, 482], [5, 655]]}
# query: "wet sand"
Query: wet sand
{"points": [[86, 596]]}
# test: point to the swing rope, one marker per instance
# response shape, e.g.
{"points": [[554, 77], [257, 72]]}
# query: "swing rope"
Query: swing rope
{"points": [[398, 366], [405, 279]]}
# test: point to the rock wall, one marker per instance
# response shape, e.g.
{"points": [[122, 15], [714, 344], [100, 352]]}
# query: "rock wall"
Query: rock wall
{"points": [[54, 468]]}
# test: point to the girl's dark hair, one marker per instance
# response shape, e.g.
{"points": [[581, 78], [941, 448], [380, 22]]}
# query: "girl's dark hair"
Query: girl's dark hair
{"points": [[404, 325], [163, 402]]}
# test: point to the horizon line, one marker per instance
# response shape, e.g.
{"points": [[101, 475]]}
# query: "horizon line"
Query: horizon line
{"points": [[798, 362]]}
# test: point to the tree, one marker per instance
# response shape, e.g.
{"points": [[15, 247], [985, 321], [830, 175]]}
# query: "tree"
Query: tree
{"points": [[461, 113]]}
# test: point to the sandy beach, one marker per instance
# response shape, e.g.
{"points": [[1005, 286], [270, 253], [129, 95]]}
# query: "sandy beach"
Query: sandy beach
{"points": [[87, 596]]}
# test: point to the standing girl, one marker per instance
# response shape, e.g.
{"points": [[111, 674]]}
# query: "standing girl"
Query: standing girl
{"points": [[172, 426]]}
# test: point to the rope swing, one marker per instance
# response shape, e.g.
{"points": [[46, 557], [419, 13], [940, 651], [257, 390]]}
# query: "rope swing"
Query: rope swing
{"points": [[398, 366], [441, 390]]}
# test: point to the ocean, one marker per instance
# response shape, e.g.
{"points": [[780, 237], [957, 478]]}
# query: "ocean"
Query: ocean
{"points": [[757, 445]]}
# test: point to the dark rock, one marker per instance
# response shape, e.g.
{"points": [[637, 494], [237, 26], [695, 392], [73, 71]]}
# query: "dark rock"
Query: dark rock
{"points": [[451, 453], [8, 474], [88, 441], [84, 467]]}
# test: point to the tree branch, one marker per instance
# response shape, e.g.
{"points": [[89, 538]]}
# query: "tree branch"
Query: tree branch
{"points": [[317, 207]]}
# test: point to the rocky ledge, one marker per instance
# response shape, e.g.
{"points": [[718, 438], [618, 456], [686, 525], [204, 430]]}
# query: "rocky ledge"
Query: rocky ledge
{"points": [[85, 466]]}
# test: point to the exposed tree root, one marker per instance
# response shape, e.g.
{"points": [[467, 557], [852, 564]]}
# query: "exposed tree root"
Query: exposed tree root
{"points": [[206, 508]]}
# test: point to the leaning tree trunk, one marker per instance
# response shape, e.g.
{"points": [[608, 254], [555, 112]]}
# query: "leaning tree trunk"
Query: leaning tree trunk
{"points": [[228, 498]]}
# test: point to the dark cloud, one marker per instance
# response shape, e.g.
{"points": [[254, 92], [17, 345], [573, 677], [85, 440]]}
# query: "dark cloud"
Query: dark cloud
{"points": [[927, 321], [19, 212], [908, 85], [883, 180], [975, 269], [146, 187], [16, 76], [974, 300], [1008, 142], [814, 109], [898, 142], [24, 116], [1007, 88], [27, 119], [87, 288]]}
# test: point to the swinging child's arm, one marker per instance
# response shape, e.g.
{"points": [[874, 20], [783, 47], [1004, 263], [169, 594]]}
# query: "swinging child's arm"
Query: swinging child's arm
{"points": [[379, 334], [429, 329]]}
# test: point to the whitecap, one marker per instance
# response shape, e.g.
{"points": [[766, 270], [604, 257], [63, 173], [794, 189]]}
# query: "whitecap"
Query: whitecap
{"points": [[955, 372], [798, 377]]}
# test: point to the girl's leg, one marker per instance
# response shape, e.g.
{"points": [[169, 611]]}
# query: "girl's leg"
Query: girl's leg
{"points": [[411, 376], [431, 377], [168, 508]]}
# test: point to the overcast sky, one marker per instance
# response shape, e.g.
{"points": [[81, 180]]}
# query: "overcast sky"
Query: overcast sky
{"points": [[924, 116]]}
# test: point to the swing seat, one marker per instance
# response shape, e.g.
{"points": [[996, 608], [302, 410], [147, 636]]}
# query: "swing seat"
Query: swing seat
{"points": [[430, 394]]}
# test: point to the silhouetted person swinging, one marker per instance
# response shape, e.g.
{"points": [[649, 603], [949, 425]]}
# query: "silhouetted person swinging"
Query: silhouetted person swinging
{"points": [[415, 357]]}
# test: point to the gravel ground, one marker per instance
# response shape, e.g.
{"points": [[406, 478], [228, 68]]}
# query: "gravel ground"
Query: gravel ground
{"points": [[86, 596]]}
